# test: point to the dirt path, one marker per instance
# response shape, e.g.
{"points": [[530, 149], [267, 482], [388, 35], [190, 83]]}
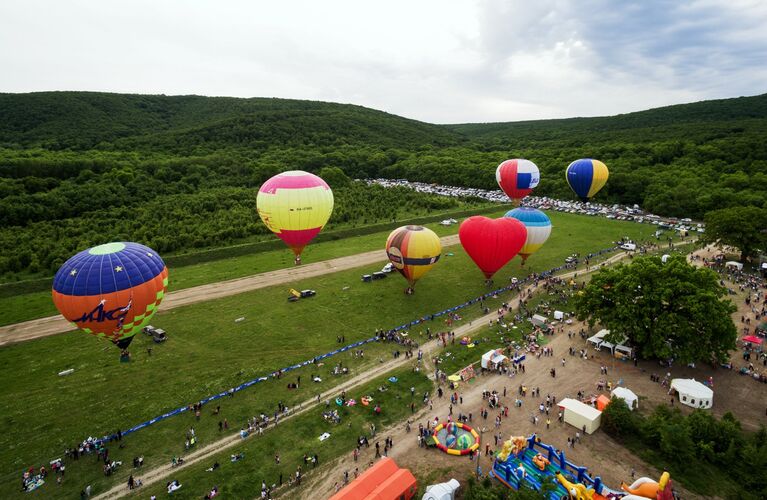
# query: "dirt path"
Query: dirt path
{"points": [[162, 472], [52, 325], [601, 454]]}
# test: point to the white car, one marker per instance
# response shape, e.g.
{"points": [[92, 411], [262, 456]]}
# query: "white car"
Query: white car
{"points": [[388, 268]]}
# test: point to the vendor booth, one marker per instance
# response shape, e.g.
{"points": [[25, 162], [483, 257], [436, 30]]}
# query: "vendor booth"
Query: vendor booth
{"points": [[632, 400], [596, 340], [492, 359], [580, 415], [693, 393]]}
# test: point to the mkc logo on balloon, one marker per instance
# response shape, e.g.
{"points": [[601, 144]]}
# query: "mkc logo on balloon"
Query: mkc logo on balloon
{"points": [[99, 314]]}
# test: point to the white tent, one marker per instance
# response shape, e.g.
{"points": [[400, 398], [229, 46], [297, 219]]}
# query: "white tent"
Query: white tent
{"points": [[598, 338], [736, 265], [441, 491], [632, 401], [581, 415], [693, 393], [491, 359], [539, 320], [559, 315]]}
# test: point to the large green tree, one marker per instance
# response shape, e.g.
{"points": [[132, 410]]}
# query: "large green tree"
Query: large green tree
{"points": [[666, 310], [741, 227]]}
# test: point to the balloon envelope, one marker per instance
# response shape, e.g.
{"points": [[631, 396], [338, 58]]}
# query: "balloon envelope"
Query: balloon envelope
{"points": [[295, 205], [111, 290], [517, 178], [538, 227], [491, 243], [586, 177], [413, 250]]}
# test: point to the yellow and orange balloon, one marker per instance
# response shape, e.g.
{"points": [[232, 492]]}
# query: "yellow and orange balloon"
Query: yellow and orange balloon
{"points": [[413, 250], [295, 205]]}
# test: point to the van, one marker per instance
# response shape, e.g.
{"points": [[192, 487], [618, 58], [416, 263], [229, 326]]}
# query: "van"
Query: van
{"points": [[629, 246]]}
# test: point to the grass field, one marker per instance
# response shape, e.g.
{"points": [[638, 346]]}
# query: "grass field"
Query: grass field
{"points": [[35, 305], [207, 352], [297, 437]]}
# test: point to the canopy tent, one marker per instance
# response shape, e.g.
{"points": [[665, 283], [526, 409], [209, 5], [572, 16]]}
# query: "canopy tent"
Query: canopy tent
{"points": [[539, 320], [602, 402], [598, 338], [581, 415], [632, 401], [733, 264], [559, 315], [693, 393], [752, 339], [441, 491], [491, 359]]}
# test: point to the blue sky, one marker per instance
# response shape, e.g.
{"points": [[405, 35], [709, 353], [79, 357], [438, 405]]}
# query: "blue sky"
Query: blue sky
{"points": [[439, 61]]}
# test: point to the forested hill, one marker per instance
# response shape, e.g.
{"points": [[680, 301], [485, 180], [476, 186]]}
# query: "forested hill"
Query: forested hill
{"points": [[87, 120], [81, 168], [641, 126]]}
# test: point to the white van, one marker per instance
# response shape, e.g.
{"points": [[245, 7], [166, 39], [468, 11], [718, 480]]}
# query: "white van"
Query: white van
{"points": [[629, 246]]}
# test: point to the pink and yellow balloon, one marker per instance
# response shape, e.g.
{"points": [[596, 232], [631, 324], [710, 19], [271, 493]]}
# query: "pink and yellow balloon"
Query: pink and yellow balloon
{"points": [[295, 205]]}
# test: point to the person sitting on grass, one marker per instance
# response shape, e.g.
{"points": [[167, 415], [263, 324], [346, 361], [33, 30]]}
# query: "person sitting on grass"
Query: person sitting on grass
{"points": [[173, 486]]}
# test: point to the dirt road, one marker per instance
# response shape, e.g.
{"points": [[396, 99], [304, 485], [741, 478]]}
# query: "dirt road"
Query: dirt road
{"points": [[52, 325]]}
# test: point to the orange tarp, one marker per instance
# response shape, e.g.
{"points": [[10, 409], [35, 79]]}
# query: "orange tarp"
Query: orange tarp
{"points": [[602, 402], [383, 481]]}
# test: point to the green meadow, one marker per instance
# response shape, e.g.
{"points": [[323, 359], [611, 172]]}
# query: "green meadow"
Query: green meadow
{"points": [[208, 352]]}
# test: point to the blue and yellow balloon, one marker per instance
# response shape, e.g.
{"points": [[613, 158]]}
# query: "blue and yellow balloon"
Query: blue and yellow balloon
{"points": [[586, 177], [538, 227]]}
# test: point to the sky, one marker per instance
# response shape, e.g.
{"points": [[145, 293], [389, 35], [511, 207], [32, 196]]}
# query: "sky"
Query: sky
{"points": [[445, 61]]}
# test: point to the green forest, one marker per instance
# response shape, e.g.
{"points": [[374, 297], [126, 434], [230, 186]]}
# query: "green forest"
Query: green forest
{"points": [[182, 172]]}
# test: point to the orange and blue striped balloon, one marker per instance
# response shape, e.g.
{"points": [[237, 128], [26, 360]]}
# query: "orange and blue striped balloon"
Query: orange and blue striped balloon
{"points": [[586, 177], [111, 290], [295, 205]]}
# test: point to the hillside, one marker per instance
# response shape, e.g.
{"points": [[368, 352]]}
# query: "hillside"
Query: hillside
{"points": [[86, 120], [181, 172], [648, 124]]}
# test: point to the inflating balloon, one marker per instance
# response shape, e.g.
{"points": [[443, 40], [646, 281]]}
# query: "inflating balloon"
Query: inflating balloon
{"points": [[111, 290], [295, 206], [491, 243], [586, 177], [517, 178], [538, 227], [413, 250]]}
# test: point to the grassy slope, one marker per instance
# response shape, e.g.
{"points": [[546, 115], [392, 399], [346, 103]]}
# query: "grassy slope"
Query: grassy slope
{"points": [[207, 352], [296, 438]]}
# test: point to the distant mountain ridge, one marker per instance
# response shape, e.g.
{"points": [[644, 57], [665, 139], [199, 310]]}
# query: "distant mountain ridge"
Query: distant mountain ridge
{"points": [[88, 120], [84, 120]]}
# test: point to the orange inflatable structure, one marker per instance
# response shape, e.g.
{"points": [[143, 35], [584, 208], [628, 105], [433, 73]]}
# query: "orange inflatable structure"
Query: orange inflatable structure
{"points": [[383, 481]]}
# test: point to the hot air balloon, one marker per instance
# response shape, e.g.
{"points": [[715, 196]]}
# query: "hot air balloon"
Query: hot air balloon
{"points": [[491, 243], [413, 250], [586, 177], [517, 178], [538, 227], [111, 290], [295, 206]]}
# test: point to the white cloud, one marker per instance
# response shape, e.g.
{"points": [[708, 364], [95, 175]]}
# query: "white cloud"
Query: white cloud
{"points": [[438, 61]]}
